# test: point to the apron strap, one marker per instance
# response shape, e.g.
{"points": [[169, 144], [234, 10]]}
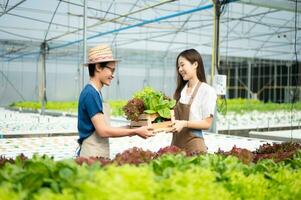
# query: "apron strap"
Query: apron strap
{"points": [[194, 92]]}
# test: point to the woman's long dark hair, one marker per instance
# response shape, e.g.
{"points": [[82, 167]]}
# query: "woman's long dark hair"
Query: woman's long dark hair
{"points": [[192, 56]]}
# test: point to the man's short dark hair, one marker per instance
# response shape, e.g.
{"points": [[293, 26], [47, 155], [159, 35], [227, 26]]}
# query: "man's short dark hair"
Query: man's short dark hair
{"points": [[92, 68]]}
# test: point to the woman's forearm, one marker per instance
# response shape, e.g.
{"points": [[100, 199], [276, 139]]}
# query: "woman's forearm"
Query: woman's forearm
{"points": [[202, 125]]}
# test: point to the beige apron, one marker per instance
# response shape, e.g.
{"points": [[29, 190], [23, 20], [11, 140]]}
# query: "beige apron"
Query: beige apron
{"points": [[185, 139], [95, 145]]}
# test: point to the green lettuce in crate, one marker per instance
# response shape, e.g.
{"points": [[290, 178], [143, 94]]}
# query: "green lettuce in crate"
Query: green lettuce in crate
{"points": [[154, 102]]}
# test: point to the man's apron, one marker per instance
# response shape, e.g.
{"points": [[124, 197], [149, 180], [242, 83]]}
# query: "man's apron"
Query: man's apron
{"points": [[95, 145], [185, 139]]}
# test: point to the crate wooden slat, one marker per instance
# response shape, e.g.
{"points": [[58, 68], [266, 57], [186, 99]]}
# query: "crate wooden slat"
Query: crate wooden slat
{"points": [[147, 120]]}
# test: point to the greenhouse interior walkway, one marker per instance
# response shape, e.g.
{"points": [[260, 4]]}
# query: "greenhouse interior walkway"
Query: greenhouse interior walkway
{"points": [[64, 147], [56, 136]]}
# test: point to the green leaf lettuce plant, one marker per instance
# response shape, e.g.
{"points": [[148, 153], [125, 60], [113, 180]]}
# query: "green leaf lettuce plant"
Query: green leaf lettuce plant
{"points": [[154, 102]]}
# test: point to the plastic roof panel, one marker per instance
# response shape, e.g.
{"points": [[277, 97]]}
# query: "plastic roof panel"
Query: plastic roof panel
{"points": [[245, 30]]}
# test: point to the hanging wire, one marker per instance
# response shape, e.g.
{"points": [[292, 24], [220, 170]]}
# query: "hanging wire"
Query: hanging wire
{"points": [[22, 75], [3, 81], [6, 5], [131, 10], [36, 89], [146, 75], [224, 7], [114, 42], [79, 60], [44, 49], [51, 20], [19, 35], [107, 11], [11, 83], [294, 94], [11, 8]]}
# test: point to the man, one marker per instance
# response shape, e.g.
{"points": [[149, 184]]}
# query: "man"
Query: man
{"points": [[93, 129]]}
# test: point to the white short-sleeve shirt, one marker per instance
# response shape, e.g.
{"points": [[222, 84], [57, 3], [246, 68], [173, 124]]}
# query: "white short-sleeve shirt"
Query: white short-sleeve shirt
{"points": [[203, 104]]}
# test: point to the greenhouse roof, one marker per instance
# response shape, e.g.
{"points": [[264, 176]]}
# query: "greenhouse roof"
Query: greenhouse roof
{"points": [[258, 29]]}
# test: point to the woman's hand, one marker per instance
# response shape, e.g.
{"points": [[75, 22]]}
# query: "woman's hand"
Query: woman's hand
{"points": [[178, 125], [144, 132]]}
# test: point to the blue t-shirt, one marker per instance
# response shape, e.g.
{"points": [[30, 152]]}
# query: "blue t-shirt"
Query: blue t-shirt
{"points": [[89, 104]]}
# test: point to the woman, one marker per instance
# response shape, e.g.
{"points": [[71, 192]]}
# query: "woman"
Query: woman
{"points": [[93, 129], [195, 106]]}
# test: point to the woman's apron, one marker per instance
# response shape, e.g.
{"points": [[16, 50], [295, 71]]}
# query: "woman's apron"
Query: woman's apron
{"points": [[185, 139], [94, 145]]}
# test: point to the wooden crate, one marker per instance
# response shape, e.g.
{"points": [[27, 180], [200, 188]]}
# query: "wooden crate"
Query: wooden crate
{"points": [[147, 120]]}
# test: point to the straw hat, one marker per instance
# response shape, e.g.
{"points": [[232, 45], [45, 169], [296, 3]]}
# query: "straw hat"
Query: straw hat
{"points": [[99, 54]]}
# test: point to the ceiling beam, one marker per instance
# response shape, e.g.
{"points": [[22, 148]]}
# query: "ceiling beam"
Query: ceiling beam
{"points": [[275, 4], [11, 8]]}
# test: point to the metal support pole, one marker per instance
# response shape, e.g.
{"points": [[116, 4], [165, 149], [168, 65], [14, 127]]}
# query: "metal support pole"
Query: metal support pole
{"points": [[82, 82], [275, 83], [164, 89], [270, 77], [43, 98], [228, 80], [249, 79], [215, 54], [287, 93], [236, 81], [259, 78], [281, 84], [215, 49]]}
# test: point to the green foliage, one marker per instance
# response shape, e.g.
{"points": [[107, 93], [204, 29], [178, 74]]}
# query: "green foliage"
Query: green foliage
{"points": [[295, 163], [168, 177], [233, 105], [50, 105], [247, 105], [167, 164], [147, 91], [155, 102], [7, 192], [39, 173], [116, 107], [26, 105], [125, 182], [48, 194], [253, 186], [285, 184], [194, 183]]}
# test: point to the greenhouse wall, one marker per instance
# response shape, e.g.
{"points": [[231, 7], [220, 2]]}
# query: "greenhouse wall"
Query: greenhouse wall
{"points": [[21, 78], [267, 80]]}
